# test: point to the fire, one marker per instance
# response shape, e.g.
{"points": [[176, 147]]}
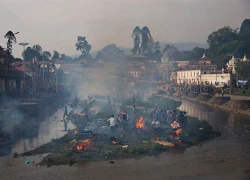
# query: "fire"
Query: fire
{"points": [[140, 123], [114, 142], [175, 124], [178, 131], [84, 144]]}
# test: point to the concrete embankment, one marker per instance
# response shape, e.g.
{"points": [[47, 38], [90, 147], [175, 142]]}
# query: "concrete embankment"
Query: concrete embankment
{"points": [[222, 102]]}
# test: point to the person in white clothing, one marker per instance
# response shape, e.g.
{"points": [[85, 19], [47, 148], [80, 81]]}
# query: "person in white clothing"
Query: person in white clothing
{"points": [[112, 122]]}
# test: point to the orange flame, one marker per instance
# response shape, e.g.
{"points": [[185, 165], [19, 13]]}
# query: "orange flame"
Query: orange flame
{"points": [[140, 123], [178, 131], [84, 144], [114, 142]]}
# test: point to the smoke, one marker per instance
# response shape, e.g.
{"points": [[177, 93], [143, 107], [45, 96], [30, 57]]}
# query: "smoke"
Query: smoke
{"points": [[10, 115]]}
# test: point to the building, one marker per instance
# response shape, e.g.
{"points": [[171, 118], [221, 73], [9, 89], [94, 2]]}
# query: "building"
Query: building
{"points": [[188, 77], [3, 58], [204, 65], [215, 78]]}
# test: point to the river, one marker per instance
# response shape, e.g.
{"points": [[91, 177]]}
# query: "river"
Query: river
{"points": [[225, 157]]}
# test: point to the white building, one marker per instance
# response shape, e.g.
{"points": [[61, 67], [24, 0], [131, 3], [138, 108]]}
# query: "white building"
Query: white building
{"points": [[214, 78], [190, 76]]}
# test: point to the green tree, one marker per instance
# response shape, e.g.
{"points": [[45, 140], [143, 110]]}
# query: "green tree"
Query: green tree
{"points": [[244, 36], [157, 46], [145, 33], [56, 55], [136, 35], [37, 48], [99, 55], [11, 39], [83, 46], [46, 55], [242, 68], [221, 42], [171, 52], [29, 54]]}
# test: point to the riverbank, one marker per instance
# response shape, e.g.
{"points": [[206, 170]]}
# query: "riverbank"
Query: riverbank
{"points": [[209, 100], [25, 129], [224, 157], [93, 141]]}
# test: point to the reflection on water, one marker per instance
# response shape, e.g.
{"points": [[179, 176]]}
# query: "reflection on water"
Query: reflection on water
{"points": [[225, 157], [51, 128]]}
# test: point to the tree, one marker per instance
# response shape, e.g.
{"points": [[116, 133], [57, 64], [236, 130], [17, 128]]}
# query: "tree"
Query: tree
{"points": [[145, 33], [171, 52], [222, 36], [242, 68], [244, 36], [221, 42], [56, 55], [111, 53], [38, 48], [46, 55], [245, 26], [99, 55], [29, 54], [136, 35], [83, 46], [11, 39], [157, 45]]}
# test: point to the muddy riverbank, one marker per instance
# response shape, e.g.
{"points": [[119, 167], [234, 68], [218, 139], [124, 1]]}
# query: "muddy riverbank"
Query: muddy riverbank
{"points": [[224, 106]]}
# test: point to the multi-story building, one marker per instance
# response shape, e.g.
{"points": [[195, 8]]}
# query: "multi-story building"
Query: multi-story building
{"points": [[204, 65], [189, 76]]}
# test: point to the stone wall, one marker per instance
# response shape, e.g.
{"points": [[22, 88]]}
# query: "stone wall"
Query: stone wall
{"points": [[193, 95], [204, 97], [239, 104], [219, 100]]}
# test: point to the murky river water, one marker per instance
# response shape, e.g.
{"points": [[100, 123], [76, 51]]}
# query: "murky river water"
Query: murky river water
{"points": [[225, 157]]}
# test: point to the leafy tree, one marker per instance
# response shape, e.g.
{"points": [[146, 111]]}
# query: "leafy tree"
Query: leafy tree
{"points": [[83, 46], [136, 35], [99, 55], [245, 26], [11, 39], [112, 53], [56, 55], [46, 55], [171, 52], [38, 48], [145, 33], [244, 36], [242, 68], [65, 57], [221, 42], [29, 54], [157, 45]]}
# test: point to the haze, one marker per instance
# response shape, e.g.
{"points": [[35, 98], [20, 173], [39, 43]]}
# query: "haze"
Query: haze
{"points": [[55, 24]]}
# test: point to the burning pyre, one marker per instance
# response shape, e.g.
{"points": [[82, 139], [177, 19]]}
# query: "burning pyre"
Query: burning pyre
{"points": [[114, 141], [175, 136], [81, 146], [139, 123]]}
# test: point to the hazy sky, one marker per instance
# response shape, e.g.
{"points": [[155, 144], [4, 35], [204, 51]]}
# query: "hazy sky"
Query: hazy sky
{"points": [[55, 24]]}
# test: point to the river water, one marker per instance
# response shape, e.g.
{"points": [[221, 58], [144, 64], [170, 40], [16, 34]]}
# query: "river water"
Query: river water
{"points": [[225, 157]]}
